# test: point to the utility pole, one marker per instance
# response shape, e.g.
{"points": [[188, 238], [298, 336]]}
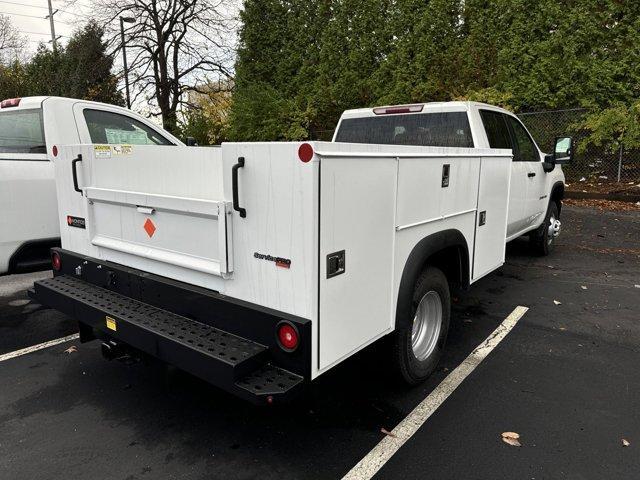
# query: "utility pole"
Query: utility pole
{"points": [[54, 39]]}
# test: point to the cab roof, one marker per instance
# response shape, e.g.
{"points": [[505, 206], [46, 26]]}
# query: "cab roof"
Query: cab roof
{"points": [[456, 106]]}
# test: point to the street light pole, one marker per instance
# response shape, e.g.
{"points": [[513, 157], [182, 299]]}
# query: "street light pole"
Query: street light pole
{"points": [[54, 39], [124, 57]]}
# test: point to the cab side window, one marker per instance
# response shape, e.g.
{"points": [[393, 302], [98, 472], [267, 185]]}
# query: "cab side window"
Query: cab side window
{"points": [[527, 151], [496, 128], [114, 128]]}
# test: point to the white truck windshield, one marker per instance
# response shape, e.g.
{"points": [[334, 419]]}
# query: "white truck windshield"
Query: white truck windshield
{"points": [[442, 129], [21, 131]]}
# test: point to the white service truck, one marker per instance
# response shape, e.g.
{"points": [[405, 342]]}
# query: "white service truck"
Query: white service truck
{"points": [[30, 130], [259, 266]]}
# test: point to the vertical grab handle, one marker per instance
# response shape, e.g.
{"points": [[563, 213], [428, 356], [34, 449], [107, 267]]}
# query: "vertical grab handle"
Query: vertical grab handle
{"points": [[75, 173], [234, 186]]}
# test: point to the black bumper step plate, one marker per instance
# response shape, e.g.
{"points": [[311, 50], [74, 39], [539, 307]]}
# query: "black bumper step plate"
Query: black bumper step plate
{"points": [[231, 362]]}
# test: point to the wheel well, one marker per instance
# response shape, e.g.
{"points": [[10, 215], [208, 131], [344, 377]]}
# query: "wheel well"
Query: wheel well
{"points": [[557, 194], [450, 261], [446, 250]]}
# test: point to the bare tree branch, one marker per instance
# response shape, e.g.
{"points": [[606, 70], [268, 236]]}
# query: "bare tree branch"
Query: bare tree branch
{"points": [[173, 47]]}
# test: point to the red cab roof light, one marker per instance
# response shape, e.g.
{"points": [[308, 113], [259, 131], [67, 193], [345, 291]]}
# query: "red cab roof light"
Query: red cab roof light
{"points": [[398, 109], [10, 102]]}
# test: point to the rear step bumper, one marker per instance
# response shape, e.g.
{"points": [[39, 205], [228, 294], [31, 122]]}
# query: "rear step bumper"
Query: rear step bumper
{"points": [[235, 364]]}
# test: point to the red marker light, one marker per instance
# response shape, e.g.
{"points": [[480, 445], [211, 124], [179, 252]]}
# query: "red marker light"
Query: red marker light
{"points": [[398, 109], [56, 262], [288, 336], [10, 102], [55, 151], [305, 152]]}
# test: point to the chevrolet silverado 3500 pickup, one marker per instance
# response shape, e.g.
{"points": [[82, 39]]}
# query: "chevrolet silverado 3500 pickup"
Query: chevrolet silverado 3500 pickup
{"points": [[260, 266], [30, 130]]}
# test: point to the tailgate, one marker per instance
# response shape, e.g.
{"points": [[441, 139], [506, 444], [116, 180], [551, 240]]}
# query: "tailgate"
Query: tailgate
{"points": [[164, 205]]}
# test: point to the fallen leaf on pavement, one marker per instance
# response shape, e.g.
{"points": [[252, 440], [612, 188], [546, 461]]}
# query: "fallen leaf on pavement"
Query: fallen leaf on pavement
{"points": [[387, 432], [625, 443], [71, 349], [557, 302], [511, 438]]}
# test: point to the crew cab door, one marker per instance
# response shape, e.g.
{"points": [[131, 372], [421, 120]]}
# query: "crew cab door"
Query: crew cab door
{"points": [[499, 135], [527, 155]]}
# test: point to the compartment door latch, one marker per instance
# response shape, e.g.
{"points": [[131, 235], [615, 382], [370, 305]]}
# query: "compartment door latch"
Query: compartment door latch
{"points": [[335, 263]]}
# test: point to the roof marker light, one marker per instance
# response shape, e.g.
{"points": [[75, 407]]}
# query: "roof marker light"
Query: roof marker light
{"points": [[10, 102], [305, 152], [398, 109]]}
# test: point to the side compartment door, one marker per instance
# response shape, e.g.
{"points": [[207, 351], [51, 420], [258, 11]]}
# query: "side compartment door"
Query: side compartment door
{"points": [[357, 232], [491, 220]]}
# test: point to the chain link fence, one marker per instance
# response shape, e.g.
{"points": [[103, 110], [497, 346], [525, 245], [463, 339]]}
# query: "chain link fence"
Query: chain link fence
{"points": [[593, 167]]}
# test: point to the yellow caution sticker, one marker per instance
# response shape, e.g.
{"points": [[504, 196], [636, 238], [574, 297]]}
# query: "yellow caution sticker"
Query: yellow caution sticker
{"points": [[102, 151], [111, 323]]}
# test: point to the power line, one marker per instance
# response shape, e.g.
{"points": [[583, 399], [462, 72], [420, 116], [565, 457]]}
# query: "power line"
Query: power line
{"points": [[39, 33], [31, 16], [21, 15], [38, 6]]}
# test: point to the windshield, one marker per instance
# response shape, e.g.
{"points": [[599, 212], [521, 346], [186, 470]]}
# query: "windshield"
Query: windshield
{"points": [[21, 132], [443, 129]]}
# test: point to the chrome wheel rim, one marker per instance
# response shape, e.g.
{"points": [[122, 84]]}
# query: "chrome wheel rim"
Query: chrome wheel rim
{"points": [[553, 229], [426, 325]]}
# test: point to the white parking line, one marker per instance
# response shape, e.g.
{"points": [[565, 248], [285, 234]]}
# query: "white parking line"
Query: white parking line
{"points": [[389, 445], [35, 348]]}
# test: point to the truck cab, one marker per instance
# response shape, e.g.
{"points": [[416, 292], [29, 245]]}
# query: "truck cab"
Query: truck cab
{"points": [[31, 130], [537, 184]]}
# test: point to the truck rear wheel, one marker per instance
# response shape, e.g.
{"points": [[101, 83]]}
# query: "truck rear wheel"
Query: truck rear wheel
{"points": [[418, 346], [543, 239]]}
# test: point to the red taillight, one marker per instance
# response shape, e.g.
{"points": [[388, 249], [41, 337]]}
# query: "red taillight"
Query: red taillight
{"points": [[305, 152], [398, 109], [55, 151], [288, 336], [10, 102], [56, 262]]}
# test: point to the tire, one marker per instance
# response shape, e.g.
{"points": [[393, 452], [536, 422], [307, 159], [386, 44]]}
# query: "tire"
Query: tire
{"points": [[417, 351], [543, 240]]}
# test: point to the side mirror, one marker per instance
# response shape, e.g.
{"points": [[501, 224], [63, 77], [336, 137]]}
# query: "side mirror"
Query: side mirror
{"points": [[190, 142], [563, 151]]}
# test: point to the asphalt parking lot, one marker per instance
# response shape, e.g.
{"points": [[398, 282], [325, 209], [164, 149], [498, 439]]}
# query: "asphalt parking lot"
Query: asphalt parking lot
{"points": [[566, 378]]}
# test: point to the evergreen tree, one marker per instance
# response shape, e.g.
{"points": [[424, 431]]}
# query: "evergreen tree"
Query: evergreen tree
{"points": [[301, 63]]}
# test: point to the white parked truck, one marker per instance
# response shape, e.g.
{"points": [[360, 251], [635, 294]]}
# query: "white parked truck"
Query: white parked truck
{"points": [[259, 266], [30, 130]]}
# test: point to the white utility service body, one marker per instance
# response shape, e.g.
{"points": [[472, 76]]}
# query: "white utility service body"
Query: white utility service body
{"points": [[373, 202], [259, 266], [30, 128]]}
